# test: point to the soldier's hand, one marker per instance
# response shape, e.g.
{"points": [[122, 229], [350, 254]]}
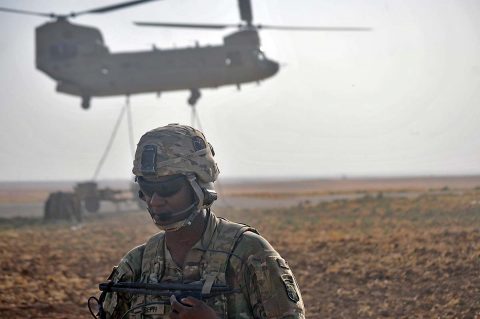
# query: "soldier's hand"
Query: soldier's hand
{"points": [[191, 308]]}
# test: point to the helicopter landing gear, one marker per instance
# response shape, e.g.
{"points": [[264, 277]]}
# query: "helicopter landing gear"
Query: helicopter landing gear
{"points": [[85, 102], [194, 96]]}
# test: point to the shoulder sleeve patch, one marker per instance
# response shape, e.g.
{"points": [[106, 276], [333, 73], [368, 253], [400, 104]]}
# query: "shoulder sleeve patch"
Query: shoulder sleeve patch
{"points": [[291, 288]]}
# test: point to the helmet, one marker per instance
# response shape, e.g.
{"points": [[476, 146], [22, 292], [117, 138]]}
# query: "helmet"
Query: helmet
{"points": [[179, 149]]}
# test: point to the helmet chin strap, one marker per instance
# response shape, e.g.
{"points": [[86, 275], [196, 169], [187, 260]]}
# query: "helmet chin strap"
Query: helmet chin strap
{"points": [[180, 224], [196, 207], [192, 179]]}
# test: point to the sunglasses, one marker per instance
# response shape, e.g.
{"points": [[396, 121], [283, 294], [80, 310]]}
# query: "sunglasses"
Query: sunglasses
{"points": [[164, 188]]}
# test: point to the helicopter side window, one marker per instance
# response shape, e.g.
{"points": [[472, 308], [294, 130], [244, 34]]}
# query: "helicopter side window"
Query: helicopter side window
{"points": [[63, 51], [234, 58]]}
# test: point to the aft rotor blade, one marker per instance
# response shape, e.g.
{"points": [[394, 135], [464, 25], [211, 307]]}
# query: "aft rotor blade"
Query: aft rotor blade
{"points": [[307, 28], [32, 13], [245, 7], [240, 26], [187, 25], [111, 7]]}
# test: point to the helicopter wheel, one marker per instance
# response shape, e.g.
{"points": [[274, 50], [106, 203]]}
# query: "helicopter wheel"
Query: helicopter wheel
{"points": [[194, 96], [85, 102]]}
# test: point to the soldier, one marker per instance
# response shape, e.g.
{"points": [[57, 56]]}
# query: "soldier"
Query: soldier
{"points": [[175, 171]]}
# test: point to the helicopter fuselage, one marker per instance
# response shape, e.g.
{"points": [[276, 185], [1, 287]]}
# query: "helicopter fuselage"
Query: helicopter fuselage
{"points": [[163, 70], [76, 57]]}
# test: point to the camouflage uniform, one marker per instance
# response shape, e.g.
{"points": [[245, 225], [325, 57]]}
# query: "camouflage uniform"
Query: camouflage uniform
{"points": [[227, 253], [267, 287]]}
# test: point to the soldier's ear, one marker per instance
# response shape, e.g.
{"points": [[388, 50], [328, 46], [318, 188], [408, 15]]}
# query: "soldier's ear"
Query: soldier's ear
{"points": [[141, 195]]}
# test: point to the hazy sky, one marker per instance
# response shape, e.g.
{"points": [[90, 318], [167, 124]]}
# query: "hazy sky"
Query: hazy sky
{"points": [[401, 100]]}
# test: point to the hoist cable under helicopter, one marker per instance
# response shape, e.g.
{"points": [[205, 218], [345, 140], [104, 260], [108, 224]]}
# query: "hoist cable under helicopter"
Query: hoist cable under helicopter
{"points": [[195, 118], [130, 127], [125, 109]]}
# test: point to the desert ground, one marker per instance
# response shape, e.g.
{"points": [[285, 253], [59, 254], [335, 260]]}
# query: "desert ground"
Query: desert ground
{"points": [[359, 248]]}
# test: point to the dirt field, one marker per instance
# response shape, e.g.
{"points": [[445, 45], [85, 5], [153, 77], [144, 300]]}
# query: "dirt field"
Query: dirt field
{"points": [[369, 257]]}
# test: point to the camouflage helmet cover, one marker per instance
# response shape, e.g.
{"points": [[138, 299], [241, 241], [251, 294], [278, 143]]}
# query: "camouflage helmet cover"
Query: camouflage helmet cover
{"points": [[180, 149]]}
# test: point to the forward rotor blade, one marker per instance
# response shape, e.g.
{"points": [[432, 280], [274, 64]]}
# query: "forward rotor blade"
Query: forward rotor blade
{"points": [[306, 28], [32, 13], [111, 7], [187, 25]]}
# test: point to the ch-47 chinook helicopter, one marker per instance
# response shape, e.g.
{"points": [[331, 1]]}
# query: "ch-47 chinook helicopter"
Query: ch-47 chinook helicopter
{"points": [[76, 57]]}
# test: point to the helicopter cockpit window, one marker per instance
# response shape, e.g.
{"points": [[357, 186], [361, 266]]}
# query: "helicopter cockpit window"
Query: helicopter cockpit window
{"points": [[233, 58], [63, 51], [260, 55]]}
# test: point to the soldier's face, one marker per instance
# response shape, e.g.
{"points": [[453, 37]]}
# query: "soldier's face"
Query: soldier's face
{"points": [[166, 196]]}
